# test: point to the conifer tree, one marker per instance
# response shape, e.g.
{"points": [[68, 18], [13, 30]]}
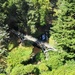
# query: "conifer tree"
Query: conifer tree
{"points": [[3, 35], [63, 28]]}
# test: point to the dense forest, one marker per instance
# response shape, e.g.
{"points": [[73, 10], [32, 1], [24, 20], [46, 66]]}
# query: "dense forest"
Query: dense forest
{"points": [[35, 18]]}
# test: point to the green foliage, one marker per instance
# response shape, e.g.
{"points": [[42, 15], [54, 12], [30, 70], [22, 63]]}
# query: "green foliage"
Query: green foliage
{"points": [[40, 56], [67, 69], [20, 54], [55, 61], [43, 8], [16, 56], [63, 26], [72, 73], [28, 15], [64, 70], [42, 67], [3, 42], [46, 73], [22, 70], [2, 74]]}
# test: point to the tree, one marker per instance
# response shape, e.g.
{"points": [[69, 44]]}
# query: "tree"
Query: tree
{"points": [[27, 15], [64, 25], [3, 35]]}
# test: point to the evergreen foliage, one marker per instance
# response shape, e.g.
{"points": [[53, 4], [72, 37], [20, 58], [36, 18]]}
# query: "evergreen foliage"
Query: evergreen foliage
{"points": [[27, 16], [22, 70], [17, 56], [3, 41], [64, 25]]}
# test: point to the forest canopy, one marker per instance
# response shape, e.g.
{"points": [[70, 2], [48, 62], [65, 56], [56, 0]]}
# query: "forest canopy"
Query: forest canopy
{"points": [[35, 18]]}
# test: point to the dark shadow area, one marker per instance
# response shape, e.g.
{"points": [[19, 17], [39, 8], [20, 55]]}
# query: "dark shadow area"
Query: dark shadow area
{"points": [[30, 61]]}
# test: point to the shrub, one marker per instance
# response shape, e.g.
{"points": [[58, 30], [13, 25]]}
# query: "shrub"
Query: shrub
{"points": [[2, 74], [54, 62], [16, 56], [22, 70], [42, 67], [67, 69]]}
